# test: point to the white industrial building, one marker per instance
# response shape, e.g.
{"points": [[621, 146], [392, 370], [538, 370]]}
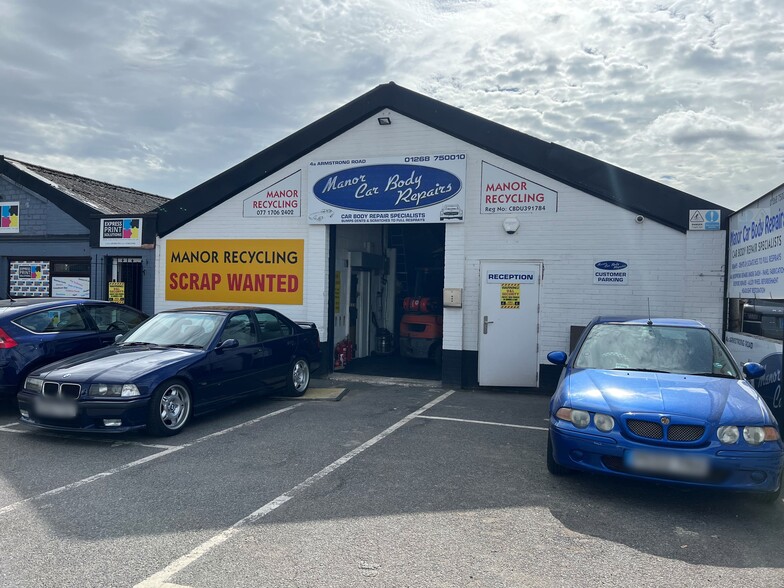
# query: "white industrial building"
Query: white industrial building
{"points": [[504, 243]]}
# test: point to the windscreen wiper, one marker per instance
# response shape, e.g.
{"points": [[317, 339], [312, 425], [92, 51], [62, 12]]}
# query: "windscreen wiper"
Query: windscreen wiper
{"points": [[712, 375], [184, 346], [630, 369]]}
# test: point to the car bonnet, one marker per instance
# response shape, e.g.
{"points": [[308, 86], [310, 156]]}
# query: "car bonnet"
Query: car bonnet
{"points": [[709, 398], [115, 364]]}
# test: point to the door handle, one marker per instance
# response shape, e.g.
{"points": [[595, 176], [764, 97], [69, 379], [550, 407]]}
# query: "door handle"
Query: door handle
{"points": [[485, 323]]}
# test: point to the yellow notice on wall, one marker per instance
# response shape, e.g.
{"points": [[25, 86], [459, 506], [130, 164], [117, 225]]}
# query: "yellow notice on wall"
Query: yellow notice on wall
{"points": [[510, 295], [253, 271], [117, 292]]}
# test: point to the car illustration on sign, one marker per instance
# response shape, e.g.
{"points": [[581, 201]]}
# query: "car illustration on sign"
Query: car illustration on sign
{"points": [[451, 212]]}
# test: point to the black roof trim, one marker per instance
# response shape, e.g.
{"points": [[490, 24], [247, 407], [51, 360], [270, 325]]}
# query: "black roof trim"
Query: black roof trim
{"points": [[633, 192]]}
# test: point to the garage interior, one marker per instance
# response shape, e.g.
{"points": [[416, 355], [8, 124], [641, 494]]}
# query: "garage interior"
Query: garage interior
{"points": [[388, 322]]}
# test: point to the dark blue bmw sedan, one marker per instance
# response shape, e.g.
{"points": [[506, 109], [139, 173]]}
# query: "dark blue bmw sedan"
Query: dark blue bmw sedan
{"points": [[176, 364], [662, 400]]}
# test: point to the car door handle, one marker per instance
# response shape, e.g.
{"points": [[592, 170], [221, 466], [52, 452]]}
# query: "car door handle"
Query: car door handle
{"points": [[486, 322]]}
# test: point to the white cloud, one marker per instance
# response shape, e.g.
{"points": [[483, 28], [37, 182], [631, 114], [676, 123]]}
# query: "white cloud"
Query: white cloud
{"points": [[161, 95]]}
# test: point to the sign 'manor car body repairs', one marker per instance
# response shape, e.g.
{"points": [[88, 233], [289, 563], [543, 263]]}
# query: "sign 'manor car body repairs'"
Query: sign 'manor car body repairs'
{"points": [[406, 189]]}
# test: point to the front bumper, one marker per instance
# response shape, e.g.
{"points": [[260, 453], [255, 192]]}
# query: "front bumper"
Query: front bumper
{"points": [[90, 415], [727, 469]]}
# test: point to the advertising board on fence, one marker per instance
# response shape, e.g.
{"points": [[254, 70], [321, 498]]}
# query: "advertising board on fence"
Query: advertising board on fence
{"points": [[756, 251], [767, 352]]}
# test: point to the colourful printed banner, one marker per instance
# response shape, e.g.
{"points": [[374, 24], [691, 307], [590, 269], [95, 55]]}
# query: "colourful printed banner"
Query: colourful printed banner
{"points": [[9, 217]]}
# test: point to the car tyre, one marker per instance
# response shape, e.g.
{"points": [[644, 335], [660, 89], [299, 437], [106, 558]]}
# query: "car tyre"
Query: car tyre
{"points": [[170, 409], [553, 466], [298, 378]]}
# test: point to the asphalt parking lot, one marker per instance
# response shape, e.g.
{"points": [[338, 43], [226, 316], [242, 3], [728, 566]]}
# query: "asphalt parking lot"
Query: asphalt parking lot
{"points": [[396, 484]]}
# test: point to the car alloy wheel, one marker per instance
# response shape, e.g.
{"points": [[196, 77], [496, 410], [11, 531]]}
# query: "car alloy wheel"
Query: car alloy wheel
{"points": [[170, 409], [299, 377]]}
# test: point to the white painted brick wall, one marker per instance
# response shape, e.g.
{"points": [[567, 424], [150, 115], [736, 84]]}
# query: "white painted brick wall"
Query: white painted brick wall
{"points": [[680, 274]]}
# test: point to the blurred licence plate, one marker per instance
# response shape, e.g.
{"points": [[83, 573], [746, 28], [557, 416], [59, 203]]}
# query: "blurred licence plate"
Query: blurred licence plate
{"points": [[58, 409], [655, 462]]}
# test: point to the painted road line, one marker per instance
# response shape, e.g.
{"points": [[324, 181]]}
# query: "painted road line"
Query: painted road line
{"points": [[8, 426], [435, 418], [85, 481], [127, 466], [160, 579]]}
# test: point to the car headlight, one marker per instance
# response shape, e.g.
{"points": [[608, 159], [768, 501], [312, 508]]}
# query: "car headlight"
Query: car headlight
{"points": [[114, 390], [728, 435], [758, 435], [579, 418], [603, 422], [34, 384]]}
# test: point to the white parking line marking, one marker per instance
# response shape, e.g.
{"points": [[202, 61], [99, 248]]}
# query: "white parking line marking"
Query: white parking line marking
{"points": [[8, 426], [435, 418], [89, 480], [169, 449], [159, 579]]}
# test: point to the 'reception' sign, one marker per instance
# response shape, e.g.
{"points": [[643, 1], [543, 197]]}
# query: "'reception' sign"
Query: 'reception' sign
{"points": [[254, 271]]}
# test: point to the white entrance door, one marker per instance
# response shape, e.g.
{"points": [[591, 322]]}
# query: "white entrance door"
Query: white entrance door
{"points": [[509, 324]]}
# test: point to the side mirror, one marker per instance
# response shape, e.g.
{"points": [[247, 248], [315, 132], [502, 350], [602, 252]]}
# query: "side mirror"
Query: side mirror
{"points": [[228, 344], [753, 370], [557, 357], [118, 338]]}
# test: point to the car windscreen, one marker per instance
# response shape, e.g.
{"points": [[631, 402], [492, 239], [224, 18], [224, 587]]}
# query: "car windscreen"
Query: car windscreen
{"points": [[668, 349], [177, 329]]}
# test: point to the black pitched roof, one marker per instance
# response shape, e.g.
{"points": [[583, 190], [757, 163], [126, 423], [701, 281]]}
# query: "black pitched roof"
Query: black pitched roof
{"points": [[78, 196], [615, 185]]}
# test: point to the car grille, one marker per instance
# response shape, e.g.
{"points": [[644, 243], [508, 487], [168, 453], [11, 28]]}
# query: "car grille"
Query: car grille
{"points": [[647, 429], [55, 390], [654, 430], [684, 432]]}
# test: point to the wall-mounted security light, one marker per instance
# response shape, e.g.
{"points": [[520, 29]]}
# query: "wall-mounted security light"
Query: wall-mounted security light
{"points": [[384, 121], [639, 219], [511, 225]]}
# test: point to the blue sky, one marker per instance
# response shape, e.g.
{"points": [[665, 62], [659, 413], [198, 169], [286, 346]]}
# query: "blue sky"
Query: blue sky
{"points": [[162, 95]]}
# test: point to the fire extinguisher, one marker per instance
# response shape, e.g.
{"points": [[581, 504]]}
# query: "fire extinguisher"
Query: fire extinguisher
{"points": [[344, 352]]}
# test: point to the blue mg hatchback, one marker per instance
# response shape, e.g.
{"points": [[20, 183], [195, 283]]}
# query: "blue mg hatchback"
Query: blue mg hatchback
{"points": [[662, 400]]}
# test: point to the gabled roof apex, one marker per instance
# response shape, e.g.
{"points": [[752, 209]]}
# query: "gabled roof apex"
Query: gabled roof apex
{"points": [[605, 181]]}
